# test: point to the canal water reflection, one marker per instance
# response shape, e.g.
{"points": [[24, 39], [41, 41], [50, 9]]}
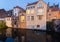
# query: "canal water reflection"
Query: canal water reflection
{"points": [[53, 37], [28, 35]]}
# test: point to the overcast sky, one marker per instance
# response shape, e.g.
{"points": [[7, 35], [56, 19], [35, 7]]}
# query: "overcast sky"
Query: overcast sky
{"points": [[9, 4]]}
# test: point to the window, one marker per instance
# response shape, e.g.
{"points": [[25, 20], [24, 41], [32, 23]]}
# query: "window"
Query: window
{"points": [[15, 14], [40, 17], [40, 5], [40, 10], [28, 18], [32, 11], [32, 7], [32, 17], [22, 18], [49, 14], [8, 19], [8, 14], [38, 26], [15, 22], [28, 11], [28, 7]]}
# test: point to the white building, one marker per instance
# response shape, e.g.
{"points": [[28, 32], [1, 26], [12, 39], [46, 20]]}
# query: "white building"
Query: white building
{"points": [[36, 15], [17, 10]]}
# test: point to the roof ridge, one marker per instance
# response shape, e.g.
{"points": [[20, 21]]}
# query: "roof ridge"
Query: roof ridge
{"points": [[32, 3]]}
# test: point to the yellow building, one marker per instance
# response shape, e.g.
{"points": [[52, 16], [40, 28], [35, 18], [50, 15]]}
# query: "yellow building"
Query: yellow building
{"points": [[22, 20], [36, 15]]}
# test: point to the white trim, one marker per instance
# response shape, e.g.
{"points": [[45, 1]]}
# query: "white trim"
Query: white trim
{"points": [[2, 18]]}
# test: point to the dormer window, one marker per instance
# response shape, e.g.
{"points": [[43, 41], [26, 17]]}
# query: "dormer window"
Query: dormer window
{"points": [[30, 7]]}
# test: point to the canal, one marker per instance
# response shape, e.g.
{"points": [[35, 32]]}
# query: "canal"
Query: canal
{"points": [[29, 35]]}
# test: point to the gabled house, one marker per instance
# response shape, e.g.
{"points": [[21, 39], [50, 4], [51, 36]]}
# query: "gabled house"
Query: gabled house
{"points": [[2, 14], [8, 19], [17, 11], [36, 15], [53, 12]]}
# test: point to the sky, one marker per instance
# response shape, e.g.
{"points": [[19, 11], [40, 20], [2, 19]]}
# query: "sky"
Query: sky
{"points": [[9, 4]]}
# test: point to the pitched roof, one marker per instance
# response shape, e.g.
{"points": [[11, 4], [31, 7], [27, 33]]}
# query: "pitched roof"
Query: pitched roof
{"points": [[19, 8], [9, 13], [54, 7], [2, 13], [32, 3]]}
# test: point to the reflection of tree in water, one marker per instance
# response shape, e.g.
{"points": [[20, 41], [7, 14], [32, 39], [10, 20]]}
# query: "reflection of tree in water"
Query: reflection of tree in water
{"points": [[16, 34], [55, 32], [2, 37]]}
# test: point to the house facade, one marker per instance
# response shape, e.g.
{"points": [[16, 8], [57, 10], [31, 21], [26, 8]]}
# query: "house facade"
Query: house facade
{"points": [[8, 21], [17, 12], [36, 15], [22, 20], [53, 12]]}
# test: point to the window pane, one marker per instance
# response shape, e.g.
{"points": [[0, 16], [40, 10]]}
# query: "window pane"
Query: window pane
{"points": [[32, 7], [32, 11], [22, 18], [38, 26], [49, 14], [28, 7], [28, 18], [28, 11], [40, 5], [40, 17], [32, 17]]}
